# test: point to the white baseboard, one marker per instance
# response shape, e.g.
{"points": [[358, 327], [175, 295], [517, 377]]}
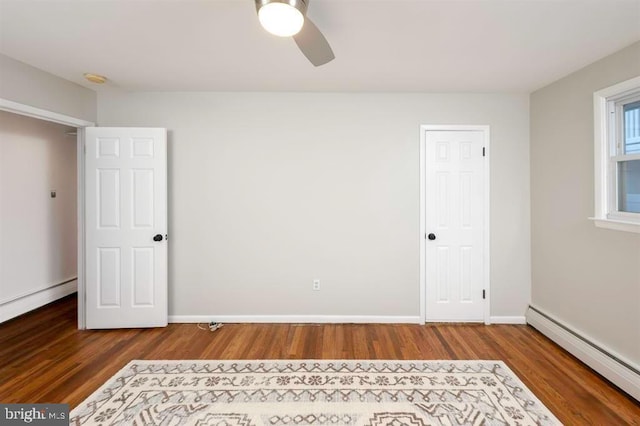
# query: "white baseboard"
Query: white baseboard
{"points": [[508, 320], [322, 319], [619, 371], [17, 307], [295, 319]]}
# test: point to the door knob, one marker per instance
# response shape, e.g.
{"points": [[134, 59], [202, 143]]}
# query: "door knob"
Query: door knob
{"points": [[431, 236], [157, 237]]}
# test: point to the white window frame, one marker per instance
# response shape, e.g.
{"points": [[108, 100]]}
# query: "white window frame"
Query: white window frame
{"points": [[607, 105]]}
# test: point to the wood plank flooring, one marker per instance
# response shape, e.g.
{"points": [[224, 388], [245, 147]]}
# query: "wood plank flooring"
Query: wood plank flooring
{"points": [[44, 358]]}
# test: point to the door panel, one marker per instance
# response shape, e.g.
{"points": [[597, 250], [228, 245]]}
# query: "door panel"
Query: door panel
{"points": [[108, 276], [125, 207], [454, 214]]}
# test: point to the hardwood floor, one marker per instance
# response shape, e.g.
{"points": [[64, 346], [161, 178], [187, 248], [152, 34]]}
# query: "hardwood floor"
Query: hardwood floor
{"points": [[44, 358]]}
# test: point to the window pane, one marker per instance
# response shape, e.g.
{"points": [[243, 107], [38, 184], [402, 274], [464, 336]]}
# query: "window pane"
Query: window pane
{"points": [[632, 128], [629, 186]]}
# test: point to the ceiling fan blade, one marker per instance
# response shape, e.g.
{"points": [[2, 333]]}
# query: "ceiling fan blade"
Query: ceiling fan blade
{"points": [[313, 44]]}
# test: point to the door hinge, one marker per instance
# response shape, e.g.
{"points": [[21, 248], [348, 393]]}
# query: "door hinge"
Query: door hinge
{"points": [[483, 151], [484, 294]]}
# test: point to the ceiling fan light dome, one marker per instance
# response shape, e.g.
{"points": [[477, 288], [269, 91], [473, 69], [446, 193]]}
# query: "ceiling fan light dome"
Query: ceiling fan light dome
{"points": [[281, 18]]}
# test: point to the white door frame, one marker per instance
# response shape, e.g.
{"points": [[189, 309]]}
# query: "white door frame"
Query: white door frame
{"points": [[43, 114], [486, 279]]}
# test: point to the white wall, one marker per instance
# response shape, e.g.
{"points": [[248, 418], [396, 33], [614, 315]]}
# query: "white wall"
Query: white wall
{"points": [[31, 86], [37, 233], [270, 191], [587, 277]]}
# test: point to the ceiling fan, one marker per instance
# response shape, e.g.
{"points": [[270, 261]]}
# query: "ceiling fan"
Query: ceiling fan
{"points": [[288, 18]]}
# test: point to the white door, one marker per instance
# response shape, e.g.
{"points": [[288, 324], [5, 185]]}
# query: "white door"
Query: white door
{"points": [[125, 227], [454, 225]]}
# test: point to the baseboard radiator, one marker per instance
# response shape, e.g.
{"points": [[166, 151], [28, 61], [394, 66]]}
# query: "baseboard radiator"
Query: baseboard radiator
{"points": [[623, 373], [22, 303]]}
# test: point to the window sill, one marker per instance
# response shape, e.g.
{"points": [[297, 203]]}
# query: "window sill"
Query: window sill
{"points": [[618, 225]]}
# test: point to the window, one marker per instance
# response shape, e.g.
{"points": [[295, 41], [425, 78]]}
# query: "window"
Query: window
{"points": [[617, 156]]}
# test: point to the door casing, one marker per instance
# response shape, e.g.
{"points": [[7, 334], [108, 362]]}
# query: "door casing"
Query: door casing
{"points": [[486, 279]]}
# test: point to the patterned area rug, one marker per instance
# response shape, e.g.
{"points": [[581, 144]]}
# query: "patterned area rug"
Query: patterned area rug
{"points": [[286, 392]]}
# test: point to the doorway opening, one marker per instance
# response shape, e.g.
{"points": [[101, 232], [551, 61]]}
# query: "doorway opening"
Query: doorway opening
{"points": [[67, 276]]}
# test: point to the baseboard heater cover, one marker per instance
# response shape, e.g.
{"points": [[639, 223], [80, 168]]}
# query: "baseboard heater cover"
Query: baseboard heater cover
{"points": [[23, 303], [36, 291], [620, 372]]}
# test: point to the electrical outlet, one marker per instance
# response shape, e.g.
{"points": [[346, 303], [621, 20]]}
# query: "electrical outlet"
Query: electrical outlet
{"points": [[316, 285]]}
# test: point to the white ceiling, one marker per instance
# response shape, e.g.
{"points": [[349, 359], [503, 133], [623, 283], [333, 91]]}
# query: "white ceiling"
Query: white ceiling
{"points": [[380, 45]]}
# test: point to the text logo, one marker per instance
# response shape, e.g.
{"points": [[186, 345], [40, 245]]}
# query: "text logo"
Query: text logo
{"points": [[34, 414]]}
